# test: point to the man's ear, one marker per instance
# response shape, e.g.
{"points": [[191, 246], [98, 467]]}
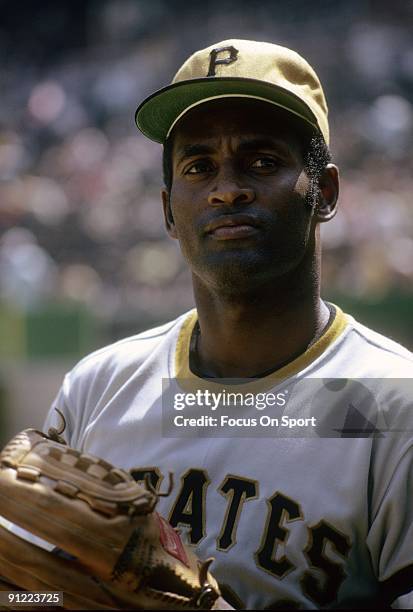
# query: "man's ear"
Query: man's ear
{"points": [[167, 213], [329, 186]]}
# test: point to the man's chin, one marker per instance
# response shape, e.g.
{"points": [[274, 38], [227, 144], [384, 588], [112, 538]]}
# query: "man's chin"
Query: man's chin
{"points": [[242, 274]]}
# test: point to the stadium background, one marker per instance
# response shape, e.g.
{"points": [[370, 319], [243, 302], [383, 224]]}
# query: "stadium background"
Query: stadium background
{"points": [[84, 258]]}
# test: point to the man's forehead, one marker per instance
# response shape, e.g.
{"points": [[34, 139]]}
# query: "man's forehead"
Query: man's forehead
{"points": [[244, 121]]}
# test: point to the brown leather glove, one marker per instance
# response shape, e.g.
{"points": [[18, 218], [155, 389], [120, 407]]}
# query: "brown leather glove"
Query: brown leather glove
{"points": [[117, 551]]}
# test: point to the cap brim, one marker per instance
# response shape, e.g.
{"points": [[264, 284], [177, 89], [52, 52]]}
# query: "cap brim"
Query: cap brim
{"points": [[157, 114]]}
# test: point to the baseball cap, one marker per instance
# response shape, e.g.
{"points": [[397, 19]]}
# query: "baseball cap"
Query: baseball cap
{"points": [[237, 68]]}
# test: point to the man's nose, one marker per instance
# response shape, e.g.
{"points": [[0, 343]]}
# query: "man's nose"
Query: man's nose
{"points": [[228, 191]]}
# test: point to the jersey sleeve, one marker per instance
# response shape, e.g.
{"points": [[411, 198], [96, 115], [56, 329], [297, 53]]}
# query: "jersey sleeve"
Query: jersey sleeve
{"points": [[405, 602], [78, 397], [75, 401], [390, 537], [60, 416]]}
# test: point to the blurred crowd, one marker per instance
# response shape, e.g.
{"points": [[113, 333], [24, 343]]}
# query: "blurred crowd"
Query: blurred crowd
{"points": [[80, 213]]}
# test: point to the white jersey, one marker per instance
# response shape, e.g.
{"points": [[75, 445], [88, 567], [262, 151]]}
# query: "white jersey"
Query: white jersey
{"points": [[292, 521]]}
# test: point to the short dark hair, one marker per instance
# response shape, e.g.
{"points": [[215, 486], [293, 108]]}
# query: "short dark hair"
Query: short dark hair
{"points": [[316, 157], [167, 163]]}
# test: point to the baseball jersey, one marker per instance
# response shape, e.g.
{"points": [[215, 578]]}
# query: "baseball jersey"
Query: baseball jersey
{"points": [[319, 518]]}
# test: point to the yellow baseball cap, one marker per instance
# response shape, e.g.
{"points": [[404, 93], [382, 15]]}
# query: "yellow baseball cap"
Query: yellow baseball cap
{"points": [[237, 68]]}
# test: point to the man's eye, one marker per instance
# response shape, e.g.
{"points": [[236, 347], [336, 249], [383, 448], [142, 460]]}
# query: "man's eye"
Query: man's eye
{"points": [[265, 163], [199, 167]]}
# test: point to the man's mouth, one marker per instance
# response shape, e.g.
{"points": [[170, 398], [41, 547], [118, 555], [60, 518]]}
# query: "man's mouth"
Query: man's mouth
{"points": [[231, 227]]}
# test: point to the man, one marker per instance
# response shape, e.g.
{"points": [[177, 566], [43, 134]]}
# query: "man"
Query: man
{"points": [[300, 521]]}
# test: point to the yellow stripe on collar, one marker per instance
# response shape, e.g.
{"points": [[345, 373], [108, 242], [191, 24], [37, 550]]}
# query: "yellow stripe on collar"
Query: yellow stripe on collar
{"points": [[188, 379]]}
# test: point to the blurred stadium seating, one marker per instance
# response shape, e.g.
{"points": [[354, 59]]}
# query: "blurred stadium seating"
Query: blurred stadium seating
{"points": [[84, 258]]}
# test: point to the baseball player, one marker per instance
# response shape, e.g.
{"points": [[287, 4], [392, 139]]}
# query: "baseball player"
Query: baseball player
{"points": [[293, 521]]}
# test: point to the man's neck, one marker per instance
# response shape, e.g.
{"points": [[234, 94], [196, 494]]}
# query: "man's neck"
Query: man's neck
{"points": [[252, 336]]}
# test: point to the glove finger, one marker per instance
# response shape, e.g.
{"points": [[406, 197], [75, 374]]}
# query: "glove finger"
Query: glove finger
{"points": [[35, 569]]}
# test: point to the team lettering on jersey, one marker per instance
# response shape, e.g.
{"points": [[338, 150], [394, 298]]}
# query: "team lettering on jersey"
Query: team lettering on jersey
{"points": [[189, 510]]}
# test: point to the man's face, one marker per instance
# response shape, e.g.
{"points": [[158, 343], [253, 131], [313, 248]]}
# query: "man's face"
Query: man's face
{"points": [[239, 196]]}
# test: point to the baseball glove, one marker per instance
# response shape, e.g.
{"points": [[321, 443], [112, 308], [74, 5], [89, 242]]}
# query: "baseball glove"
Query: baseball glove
{"points": [[112, 549]]}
